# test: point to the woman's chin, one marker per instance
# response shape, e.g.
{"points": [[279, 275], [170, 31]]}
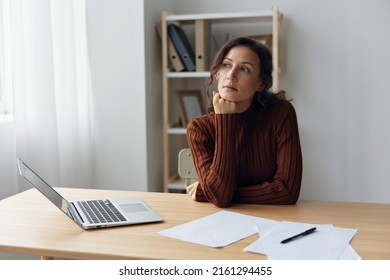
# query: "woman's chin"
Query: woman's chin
{"points": [[228, 97]]}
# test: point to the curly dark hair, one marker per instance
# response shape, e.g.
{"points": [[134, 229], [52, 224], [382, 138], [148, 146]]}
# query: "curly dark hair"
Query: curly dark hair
{"points": [[262, 99]]}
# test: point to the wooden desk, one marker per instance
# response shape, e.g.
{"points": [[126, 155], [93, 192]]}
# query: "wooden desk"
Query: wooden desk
{"points": [[30, 224]]}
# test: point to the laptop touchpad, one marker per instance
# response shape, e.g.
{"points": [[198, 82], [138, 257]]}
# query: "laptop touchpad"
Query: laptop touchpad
{"points": [[132, 208]]}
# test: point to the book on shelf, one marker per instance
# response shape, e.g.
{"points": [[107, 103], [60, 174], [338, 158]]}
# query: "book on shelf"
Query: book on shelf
{"points": [[182, 46], [202, 44], [174, 59]]}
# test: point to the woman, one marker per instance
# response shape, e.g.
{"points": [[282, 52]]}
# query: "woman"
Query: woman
{"points": [[247, 148]]}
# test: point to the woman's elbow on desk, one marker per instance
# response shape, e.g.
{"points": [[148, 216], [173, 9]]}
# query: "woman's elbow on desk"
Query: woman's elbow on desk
{"points": [[221, 202]]}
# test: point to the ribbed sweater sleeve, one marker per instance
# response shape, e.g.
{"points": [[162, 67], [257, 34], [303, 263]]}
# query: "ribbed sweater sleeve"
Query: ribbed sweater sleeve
{"points": [[247, 158], [215, 159]]}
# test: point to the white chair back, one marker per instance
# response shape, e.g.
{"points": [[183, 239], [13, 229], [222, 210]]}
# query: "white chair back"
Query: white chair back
{"points": [[186, 167]]}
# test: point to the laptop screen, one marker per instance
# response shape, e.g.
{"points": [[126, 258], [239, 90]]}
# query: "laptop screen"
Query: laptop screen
{"points": [[43, 187]]}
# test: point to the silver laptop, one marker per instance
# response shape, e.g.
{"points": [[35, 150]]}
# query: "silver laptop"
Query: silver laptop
{"points": [[97, 213]]}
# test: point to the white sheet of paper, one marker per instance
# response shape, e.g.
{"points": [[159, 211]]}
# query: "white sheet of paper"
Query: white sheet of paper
{"points": [[349, 254], [327, 242], [217, 230]]}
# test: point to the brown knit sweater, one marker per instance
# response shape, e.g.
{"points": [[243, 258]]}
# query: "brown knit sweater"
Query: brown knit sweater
{"points": [[250, 157]]}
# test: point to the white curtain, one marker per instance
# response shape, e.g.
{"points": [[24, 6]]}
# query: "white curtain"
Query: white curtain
{"points": [[5, 61], [51, 84]]}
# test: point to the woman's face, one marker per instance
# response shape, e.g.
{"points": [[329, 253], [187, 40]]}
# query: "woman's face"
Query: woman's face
{"points": [[238, 76]]}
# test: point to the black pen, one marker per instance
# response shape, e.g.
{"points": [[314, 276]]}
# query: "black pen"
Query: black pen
{"points": [[299, 235]]}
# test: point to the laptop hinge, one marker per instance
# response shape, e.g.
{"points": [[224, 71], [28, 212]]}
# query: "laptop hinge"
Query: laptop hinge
{"points": [[75, 215]]}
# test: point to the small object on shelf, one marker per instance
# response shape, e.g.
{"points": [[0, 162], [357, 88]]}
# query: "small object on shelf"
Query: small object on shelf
{"points": [[182, 46], [202, 44], [265, 39], [190, 105], [174, 59]]}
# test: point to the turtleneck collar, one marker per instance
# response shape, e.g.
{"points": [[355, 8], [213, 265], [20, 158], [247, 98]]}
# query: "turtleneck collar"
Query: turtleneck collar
{"points": [[248, 115]]}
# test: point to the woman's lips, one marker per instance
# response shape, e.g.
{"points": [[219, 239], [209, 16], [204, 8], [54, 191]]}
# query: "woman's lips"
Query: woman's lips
{"points": [[230, 87]]}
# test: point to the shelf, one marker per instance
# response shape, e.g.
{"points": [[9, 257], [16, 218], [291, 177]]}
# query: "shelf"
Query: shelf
{"points": [[198, 74], [177, 130], [177, 183], [222, 17]]}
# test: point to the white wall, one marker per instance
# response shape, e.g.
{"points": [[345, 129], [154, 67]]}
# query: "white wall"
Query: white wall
{"points": [[118, 85], [337, 67], [127, 96], [153, 87]]}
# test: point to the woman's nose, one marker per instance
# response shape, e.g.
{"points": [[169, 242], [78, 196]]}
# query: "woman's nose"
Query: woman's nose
{"points": [[231, 75]]}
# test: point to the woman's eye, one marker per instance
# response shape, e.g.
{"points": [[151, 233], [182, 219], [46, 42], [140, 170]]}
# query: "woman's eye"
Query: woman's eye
{"points": [[245, 69], [225, 65]]}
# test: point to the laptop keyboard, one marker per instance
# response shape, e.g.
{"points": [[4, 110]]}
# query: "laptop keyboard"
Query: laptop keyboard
{"points": [[101, 211]]}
